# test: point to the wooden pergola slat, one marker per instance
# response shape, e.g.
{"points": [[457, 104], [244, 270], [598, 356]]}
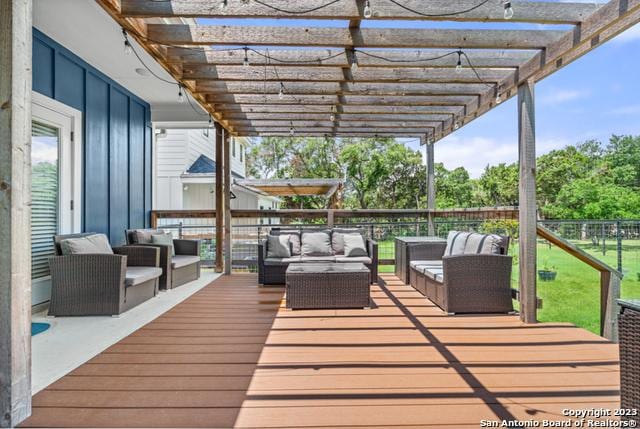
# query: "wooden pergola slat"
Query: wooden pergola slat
{"points": [[538, 12]]}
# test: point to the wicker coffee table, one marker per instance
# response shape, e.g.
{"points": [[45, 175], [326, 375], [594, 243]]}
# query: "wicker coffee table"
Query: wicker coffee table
{"points": [[327, 285]]}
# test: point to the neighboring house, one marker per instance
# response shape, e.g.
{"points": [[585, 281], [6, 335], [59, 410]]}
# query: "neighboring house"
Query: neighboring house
{"points": [[185, 170]]}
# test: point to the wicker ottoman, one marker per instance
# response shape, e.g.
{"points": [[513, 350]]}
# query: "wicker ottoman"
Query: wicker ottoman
{"points": [[327, 285], [629, 335]]}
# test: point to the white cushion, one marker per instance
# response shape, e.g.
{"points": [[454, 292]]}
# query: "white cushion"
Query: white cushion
{"points": [[456, 241], [316, 244], [164, 240], [325, 258], [434, 273], [423, 264], [180, 261], [137, 275], [278, 246], [337, 238], [97, 243], [363, 259], [354, 245]]}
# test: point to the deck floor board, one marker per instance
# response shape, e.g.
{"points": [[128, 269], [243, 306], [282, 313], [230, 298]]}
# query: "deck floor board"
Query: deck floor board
{"points": [[233, 356]]}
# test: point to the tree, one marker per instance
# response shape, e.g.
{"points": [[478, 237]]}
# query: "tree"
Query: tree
{"points": [[454, 188], [622, 161], [499, 185], [364, 169]]}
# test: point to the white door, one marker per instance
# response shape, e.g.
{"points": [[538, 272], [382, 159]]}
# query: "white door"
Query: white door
{"points": [[56, 184]]}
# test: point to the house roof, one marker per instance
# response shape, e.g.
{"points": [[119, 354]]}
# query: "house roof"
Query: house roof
{"points": [[206, 166], [292, 187]]}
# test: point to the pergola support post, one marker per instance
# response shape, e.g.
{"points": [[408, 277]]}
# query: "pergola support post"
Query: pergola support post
{"points": [[15, 212], [431, 186], [527, 198], [226, 166], [219, 197]]}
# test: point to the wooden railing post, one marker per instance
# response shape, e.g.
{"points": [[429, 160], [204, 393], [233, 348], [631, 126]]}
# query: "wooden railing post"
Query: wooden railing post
{"points": [[609, 295], [527, 198], [330, 218], [227, 204], [431, 187], [15, 212], [219, 198]]}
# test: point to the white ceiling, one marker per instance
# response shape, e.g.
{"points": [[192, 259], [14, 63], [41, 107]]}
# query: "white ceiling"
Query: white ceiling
{"points": [[84, 28]]}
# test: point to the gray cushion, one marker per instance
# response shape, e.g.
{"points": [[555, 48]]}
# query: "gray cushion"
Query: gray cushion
{"points": [[316, 244], [354, 245], [278, 246], [165, 240], [424, 264], [326, 258], [363, 259], [143, 236], [137, 275], [483, 244], [180, 261], [281, 261], [294, 238], [337, 240], [97, 243], [434, 273], [456, 240]]}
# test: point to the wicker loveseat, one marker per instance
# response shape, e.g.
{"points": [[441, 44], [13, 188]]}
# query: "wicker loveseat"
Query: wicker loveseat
{"points": [[99, 284], [272, 270], [178, 269], [471, 275]]}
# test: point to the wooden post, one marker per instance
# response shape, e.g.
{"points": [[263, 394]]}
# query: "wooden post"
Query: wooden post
{"points": [[228, 257], [527, 197], [431, 186], [15, 211], [609, 295], [330, 218], [219, 196]]}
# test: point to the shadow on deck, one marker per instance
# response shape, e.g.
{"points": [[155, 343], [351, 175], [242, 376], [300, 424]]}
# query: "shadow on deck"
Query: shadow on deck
{"points": [[232, 356]]}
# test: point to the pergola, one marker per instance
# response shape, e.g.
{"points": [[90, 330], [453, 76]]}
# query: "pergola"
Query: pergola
{"points": [[348, 79]]}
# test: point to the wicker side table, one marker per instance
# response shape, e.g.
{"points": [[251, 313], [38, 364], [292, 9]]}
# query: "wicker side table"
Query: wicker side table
{"points": [[327, 285], [629, 335]]}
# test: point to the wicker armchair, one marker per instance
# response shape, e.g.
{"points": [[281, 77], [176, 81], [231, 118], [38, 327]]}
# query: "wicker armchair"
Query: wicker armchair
{"points": [[102, 284], [177, 270], [466, 282]]}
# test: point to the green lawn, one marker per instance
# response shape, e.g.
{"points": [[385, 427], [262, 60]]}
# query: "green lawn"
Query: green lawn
{"points": [[575, 294]]}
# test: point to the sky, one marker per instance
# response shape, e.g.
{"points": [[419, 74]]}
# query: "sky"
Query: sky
{"points": [[592, 98]]}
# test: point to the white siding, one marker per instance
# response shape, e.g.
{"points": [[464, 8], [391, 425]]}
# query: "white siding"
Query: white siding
{"points": [[198, 196], [200, 144]]}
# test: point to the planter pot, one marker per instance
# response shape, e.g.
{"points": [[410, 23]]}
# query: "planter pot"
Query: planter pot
{"points": [[547, 276]]}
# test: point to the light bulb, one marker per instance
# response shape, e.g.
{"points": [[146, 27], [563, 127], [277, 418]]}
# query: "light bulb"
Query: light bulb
{"points": [[459, 63], [508, 9], [180, 96], [245, 62], [498, 98], [128, 49], [456, 125], [223, 4], [210, 122], [291, 131], [281, 92], [332, 117], [368, 13]]}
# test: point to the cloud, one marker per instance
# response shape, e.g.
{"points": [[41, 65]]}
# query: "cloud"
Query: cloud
{"points": [[562, 96], [632, 109]]}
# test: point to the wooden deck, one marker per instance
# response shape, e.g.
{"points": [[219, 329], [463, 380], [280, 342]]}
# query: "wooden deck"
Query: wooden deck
{"points": [[231, 355]]}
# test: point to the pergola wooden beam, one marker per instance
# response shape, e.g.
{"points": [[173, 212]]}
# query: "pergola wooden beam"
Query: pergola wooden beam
{"points": [[415, 58], [317, 133], [537, 12], [179, 34], [344, 117], [363, 109]]}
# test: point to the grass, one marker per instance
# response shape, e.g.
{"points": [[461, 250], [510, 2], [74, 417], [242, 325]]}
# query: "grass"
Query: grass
{"points": [[575, 294]]}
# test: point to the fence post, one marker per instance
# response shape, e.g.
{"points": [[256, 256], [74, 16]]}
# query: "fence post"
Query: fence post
{"points": [[180, 230], [619, 244], [604, 240]]}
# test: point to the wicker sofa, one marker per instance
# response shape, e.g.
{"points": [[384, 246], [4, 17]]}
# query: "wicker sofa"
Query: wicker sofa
{"points": [[178, 269], [472, 274], [271, 271], [101, 284]]}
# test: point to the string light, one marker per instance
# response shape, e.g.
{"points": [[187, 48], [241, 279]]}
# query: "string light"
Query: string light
{"points": [[508, 9], [459, 63], [368, 13], [210, 122], [498, 96], [292, 131], [128, 50], [281, 92], [223, 4], [456, 124], [332, 116], [180, 94], [354, 61], [245, 62]]}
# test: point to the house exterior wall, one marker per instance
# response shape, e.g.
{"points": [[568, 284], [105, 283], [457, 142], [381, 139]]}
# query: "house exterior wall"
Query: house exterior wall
{"points": [[117, 192]]}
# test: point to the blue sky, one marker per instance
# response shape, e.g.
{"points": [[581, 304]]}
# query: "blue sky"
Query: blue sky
{"points": [[591, 98]]}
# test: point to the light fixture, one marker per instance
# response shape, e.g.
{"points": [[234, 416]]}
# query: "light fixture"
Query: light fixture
{"points": [[354, 61], [332, 116], [459, 63], [508, 9], [210, 122], [456, 124], [128, 50], [281, 92], [180, 94], [498, 98], [292, 131], [223, 4], [368, 13], [245, 62]]}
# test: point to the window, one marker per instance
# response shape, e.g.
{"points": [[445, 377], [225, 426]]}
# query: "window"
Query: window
{"points": [[233, 151]]}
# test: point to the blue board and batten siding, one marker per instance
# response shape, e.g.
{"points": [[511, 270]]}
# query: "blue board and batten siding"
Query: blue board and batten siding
{"points": [[117, 138]]}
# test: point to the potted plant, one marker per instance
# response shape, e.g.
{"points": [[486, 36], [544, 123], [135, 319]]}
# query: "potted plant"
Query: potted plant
{"points": [[548, 272]]}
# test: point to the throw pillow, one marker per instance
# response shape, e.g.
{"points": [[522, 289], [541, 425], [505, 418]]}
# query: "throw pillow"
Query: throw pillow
{"points": [[97, 243], [354, 245], [337, 242], [164, 240], [456, 242], [294, 238], [316, 244], [143, 236], [278, 246]]}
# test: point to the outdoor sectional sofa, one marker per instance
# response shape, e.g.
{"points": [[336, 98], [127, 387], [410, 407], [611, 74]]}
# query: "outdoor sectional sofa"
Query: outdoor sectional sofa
{"points": [[178, 267], [89, 278], [272, 270], [472, 274]]}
